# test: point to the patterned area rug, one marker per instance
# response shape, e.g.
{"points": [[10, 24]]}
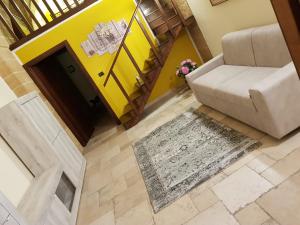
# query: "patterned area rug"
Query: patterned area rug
{"points": [[184, 153]]}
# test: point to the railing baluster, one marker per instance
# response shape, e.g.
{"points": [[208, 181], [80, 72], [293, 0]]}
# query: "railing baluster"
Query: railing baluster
{"points": [[36, 5], [136, 65], [49, 9], [30, 13], [132, 60], [149, 40], [12, 18], [8, 28], [123, 91], [121, 44], [67, 4], [76, 2], [29, 26], [58, 6]]}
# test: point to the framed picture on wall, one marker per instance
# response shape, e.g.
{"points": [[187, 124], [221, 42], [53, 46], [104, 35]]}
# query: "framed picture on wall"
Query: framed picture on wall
{"points": [[217, 2]]}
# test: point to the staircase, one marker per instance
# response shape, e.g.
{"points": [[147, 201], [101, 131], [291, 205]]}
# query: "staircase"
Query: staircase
{"points": [[166, 23]]}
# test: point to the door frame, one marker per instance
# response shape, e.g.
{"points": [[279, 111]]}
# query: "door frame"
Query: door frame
{"points": [[60, 109]]}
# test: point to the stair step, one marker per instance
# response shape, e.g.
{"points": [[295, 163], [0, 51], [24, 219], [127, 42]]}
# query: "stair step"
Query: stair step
{"points": [[177, 29], [164, 28], [125, 118], [132, 122], [153, 16], [157, 23]]}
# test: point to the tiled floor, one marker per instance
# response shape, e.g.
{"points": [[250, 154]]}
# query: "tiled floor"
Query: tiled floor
{"points": [[262, 188]]}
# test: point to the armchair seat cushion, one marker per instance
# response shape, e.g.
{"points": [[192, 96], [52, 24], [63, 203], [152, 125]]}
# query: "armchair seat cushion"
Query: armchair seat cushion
{"points": [[236, 90], [232, 83], [208, 83]]}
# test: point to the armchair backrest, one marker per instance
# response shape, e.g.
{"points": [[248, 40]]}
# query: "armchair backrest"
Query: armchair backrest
{"points": [[261, 46]]}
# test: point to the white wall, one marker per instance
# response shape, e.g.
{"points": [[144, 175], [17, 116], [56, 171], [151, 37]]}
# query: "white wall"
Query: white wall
{"points": [[230, 16], [15, 178]]}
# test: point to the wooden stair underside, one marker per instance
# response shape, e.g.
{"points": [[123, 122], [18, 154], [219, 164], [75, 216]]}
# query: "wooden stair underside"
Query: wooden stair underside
{"points": [[166, 25], [141, 96]]}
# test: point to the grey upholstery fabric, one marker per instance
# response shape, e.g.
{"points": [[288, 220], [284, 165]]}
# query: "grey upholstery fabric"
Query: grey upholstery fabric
{"points": [[237, 48], [253, 81], [269, 47]]}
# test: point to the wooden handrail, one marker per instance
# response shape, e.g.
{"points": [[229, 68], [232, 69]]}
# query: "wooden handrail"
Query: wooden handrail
{"points": [[153, 47], [122, 43]]}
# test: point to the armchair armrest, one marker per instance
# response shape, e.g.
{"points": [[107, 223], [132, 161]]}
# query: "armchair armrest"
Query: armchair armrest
{"points": [[276, 100], [205, 68]]}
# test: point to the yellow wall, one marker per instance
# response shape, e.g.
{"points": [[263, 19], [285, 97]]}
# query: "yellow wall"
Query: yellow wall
{"points": [[76, 30], [15, 178], [182, 49], [230, 16]]}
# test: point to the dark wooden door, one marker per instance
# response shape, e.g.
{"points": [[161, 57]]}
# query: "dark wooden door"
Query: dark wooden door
{"points": [[288, 15], [65, 97]]}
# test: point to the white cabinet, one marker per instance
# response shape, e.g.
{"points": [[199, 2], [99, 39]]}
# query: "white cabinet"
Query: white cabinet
{"points": [[68, 153], [3, 214], [42, 119], [11, 221], [38, 139], [40, 116], [9, 214]]}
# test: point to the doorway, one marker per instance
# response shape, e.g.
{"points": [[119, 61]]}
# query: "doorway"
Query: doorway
{"points": [[68, 87]]}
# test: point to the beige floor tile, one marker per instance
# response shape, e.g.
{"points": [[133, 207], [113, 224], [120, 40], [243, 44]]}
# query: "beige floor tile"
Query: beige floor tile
{"points": [[120, 140], [124, 167], [218, 116], [256, 134], [139, 215], [177, 213], [110, 153], [270, 222], [208, 184], [111, 190], [94, 212], [241, 162], [133, 176], [130, 198], [125, 154], [236, 125], [278, 149], [97, 181], [241, 188], [204, 109], [205, 200], [252, 215], [283, 168], [283, 203], [107, 219], [216, 215], [261, 163]]}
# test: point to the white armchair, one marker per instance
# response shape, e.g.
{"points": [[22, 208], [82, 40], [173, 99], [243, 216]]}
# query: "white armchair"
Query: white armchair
{"points": [[254, 81]]}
